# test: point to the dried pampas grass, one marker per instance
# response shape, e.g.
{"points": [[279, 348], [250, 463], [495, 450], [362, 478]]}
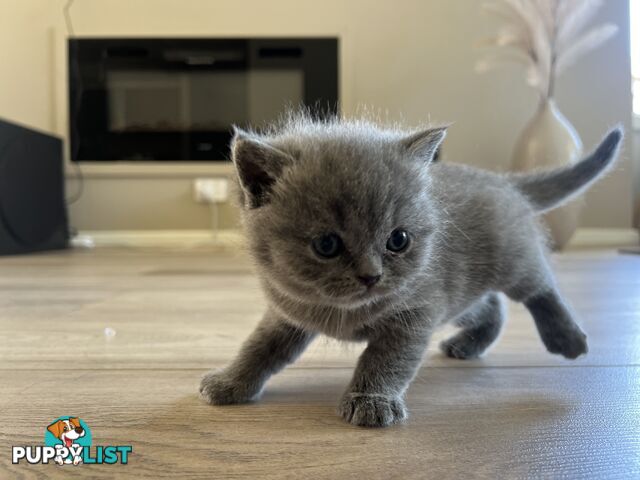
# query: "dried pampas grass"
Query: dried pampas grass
{"points": [[546, 35]]}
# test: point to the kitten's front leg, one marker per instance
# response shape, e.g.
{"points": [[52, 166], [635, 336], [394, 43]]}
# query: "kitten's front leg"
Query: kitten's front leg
{"points": [[271, 347], [375, 396]]}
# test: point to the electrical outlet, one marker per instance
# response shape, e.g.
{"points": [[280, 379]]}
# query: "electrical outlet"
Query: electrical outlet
{"points": [[211, 190]]}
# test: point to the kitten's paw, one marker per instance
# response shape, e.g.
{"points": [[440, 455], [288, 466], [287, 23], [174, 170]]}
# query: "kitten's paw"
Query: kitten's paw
{"points": [[570, 343], [217, 388], [366, 410], [462, 347]]}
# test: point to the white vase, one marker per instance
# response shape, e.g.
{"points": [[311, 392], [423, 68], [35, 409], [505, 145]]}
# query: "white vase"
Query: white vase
{"points": [[550, 141]]}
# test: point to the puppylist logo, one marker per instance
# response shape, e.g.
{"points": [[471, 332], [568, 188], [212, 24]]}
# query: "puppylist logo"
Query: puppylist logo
{"points": [[67, 441]]}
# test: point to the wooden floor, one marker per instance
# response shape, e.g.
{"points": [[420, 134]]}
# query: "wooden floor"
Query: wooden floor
{"points": [[517, 413]]}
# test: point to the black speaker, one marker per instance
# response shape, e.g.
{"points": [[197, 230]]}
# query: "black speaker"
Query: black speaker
{"points": [[33, 213]]}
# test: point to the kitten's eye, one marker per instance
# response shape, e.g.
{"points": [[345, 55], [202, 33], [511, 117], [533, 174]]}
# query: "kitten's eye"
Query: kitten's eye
{"points": [[327, 246], [398, 241]]}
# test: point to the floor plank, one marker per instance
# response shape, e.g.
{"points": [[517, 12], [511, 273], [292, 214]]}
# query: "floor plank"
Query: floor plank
{"points": [[523, 422], [166, 312], [518, 412]]}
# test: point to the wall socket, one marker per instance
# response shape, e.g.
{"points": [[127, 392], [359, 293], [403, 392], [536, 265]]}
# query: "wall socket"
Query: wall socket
{"points": [[211, 190]]}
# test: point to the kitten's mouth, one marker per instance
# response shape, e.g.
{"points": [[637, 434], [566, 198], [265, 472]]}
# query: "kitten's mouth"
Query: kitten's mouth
{"points": [[374, 291], [354, 303], [360, 298]]}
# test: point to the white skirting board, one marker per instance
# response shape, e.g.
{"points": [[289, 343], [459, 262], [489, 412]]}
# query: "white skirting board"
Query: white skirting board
{"points": [[584, 238], [605, 238], [157, 238]]}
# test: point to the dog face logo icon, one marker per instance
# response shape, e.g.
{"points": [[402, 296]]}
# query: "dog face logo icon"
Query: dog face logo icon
{"points": [[67, 430], [72, 434]]}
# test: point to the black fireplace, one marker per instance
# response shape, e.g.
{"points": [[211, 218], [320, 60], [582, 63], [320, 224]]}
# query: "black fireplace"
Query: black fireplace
{"points": [[176, 99]]}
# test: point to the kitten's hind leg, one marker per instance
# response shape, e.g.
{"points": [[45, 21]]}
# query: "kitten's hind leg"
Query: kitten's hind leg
{"points": [[481, 325], [558, 330]]}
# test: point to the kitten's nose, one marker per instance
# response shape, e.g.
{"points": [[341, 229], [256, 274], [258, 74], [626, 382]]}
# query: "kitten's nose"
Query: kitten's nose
{"points": [[369, 280]]}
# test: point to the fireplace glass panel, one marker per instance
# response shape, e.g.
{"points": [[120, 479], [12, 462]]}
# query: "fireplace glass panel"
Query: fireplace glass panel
{"points": [[178, 102], [178, 99]]}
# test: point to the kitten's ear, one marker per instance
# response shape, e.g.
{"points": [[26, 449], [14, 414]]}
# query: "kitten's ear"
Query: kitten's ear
{"points": [[425, 143], [258, 165]]}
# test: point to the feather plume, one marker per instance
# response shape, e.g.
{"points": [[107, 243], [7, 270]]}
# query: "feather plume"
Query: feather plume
{"points": [[546, 34], [574, 17], [490, 62], [587, 42]]}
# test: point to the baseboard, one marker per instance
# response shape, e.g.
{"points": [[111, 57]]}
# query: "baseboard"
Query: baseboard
{"points": [[583, 238], [605, 238], [157, 238]]}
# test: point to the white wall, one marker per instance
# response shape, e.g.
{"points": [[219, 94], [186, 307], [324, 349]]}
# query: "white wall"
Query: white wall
{"points": [[26, 62], [413, 58], [635, 146]]}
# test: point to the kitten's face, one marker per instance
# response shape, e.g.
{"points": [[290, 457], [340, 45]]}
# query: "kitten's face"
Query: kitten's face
{"points": [[343, 220]]}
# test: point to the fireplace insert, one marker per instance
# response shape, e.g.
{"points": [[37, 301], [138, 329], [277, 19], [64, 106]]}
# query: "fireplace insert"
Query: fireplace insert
{"points": [[177, 99]]}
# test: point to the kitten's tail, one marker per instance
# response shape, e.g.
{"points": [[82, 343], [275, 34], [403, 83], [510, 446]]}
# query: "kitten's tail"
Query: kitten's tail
{"points": [[549, 189]]}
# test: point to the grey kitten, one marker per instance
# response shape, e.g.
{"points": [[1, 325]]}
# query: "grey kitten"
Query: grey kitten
{"points": [[356, 236]]}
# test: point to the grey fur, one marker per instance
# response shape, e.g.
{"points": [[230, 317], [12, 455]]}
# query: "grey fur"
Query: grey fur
{"points": [[480, 327], [548, 190], [472, 234], [271, 347]]}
